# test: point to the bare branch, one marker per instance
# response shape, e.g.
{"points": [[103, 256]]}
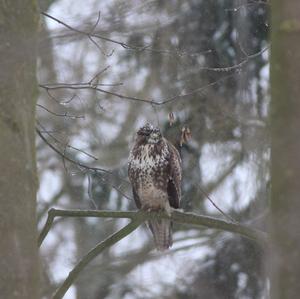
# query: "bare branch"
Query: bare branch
{"points": [[64, 156], [111, 240], [52, 213], [89, 83], [90, 35], [66, 115], [176, 216], [77, 86], [95, 170], [66, 145], [62, 102], [137, 218], [236, 66], [98, 47], [213, 203], [194, 91], [82, 86], [97, 22], [97, 75]]}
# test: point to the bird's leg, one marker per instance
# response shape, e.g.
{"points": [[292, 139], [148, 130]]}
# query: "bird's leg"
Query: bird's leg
{"points": [[147, 208], [159, 210], [168, 209]]}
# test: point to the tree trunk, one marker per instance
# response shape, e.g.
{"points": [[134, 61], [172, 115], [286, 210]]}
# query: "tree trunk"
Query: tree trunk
{"points": [[18, 183], [285, 155]]}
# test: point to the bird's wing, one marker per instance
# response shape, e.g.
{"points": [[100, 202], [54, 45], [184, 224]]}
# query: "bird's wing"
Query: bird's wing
{"points": [[175, 172], [131, 175], [136, 198]]}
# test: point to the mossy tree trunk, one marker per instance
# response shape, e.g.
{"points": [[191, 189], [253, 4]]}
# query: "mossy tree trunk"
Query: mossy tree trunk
{"points": [[285, 172], [18, 183]]}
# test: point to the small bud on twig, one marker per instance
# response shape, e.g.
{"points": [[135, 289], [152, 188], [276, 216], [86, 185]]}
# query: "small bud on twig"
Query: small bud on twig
{"points": [[171, 118], [186, 135]]}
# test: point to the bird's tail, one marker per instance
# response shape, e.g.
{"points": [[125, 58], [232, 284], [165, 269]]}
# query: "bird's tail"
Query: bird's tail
{"points": [[162, 233]]}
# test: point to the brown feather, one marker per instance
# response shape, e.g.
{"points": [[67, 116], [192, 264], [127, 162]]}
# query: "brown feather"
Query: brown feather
{"points": [[154, 171]]}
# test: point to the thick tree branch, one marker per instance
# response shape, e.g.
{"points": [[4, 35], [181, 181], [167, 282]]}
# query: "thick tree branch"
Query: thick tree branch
{"points": [[137, 218], [52, 213], [198, 220], [176, 216]]}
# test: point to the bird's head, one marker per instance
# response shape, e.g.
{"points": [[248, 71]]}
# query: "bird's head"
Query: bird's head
{"points": [[148, 134]]}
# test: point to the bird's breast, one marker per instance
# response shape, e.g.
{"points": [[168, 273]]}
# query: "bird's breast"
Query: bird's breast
{"points": [[150, 171]]}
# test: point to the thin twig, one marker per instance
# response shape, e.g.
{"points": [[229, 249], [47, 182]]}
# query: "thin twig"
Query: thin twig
{"points": [[92, 31], [46, 227], [50, 85], [213, 203], [97, 22], [98, 47], [66, 115], [90, 193], [70, 159], [89, 86], [67, 145], [98, 74], [236, 66], [63, 102], [95, 170], [194, 91], [124, 45]]}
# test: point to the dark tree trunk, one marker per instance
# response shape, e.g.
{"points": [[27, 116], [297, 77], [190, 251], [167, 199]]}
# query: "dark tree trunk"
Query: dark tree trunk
{"points": [[18, 182], [285, 172]]}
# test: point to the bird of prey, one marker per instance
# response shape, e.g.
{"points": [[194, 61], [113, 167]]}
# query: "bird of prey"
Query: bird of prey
{"points": [[154, 170]]}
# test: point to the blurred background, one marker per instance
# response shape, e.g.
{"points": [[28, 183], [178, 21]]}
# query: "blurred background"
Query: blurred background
{"points": [[210, 59]]}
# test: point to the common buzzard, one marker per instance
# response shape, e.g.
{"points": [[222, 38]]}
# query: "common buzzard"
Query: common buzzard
{"points": [[155, 174]]}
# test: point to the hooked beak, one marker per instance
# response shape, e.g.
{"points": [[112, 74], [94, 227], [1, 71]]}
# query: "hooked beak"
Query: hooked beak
{"points": [[153, 138]]}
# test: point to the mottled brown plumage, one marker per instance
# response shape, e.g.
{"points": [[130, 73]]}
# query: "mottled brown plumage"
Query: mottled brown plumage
{"points": [[155, 174]]}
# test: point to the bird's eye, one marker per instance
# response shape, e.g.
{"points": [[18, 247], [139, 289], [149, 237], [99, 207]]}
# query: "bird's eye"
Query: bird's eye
{"points": [[145, 133]]}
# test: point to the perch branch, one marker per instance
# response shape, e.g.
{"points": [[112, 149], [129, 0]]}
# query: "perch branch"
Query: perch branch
{"points": [[52, 213], [193, 219], [176, 216], [137, 218]]}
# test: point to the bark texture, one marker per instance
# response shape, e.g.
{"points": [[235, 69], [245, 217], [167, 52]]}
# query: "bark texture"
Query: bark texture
{"points": [[285, 172], [18, 183]]}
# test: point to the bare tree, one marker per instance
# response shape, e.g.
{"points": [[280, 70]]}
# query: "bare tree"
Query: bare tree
{"points": [[18, 181], [285, 116]]}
